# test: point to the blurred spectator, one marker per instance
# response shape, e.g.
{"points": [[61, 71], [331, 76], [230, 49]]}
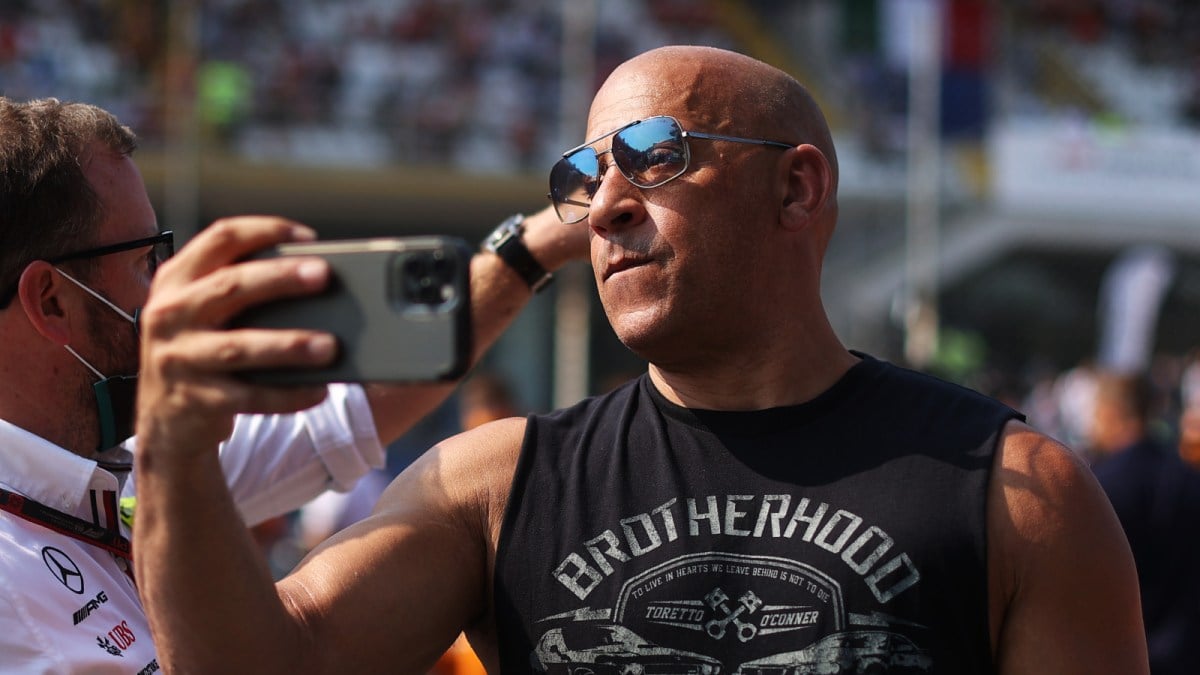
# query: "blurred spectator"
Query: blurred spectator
{"points": [[483, 398], [1157, 498], [463, 82], [459, 659], [1189, 418], [1189, 434], [1076, 390], [223, 98]]}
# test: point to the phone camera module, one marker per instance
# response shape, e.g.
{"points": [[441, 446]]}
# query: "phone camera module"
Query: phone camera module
{"points": [[428, 278]]}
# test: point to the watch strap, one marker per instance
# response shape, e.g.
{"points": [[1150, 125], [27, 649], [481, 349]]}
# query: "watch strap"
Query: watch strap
{"points": [[505, 241]]}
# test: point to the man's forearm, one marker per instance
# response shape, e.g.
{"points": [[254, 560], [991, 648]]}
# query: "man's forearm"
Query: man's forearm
{"points": [[195, 562], [190, 541]]}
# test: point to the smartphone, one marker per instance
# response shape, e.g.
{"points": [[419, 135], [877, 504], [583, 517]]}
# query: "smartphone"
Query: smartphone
{"points": [[399, 307]]}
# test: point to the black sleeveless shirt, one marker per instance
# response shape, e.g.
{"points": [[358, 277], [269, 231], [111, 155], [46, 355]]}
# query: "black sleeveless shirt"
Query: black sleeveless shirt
{"points": [[843, 535]]}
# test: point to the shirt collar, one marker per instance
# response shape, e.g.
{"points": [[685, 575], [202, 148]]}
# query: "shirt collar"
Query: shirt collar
{"points": [[54, 476]]}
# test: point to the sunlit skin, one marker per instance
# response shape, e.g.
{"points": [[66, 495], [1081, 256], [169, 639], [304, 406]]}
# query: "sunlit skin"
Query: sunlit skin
{"points": [[1189, 435], [59, 313], [695, 275], [715, 278]]}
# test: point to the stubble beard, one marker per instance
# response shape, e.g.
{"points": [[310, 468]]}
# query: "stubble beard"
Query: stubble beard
{"points": [[111, 353]]}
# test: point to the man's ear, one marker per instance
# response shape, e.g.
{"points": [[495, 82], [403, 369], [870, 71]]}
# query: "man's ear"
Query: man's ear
{"points": [[807, 187], [39, 290]]}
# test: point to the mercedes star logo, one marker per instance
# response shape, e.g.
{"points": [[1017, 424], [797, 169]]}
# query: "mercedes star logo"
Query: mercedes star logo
{"points": [[63, 568]]}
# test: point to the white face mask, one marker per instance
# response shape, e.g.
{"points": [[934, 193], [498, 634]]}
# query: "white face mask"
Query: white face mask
{"points": [[115, 395]]}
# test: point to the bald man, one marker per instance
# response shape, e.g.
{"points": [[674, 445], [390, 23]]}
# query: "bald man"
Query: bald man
{"points": [[761, 500]]}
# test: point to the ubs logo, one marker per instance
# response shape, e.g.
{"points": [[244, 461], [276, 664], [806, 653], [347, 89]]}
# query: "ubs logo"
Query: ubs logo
{"points": [[63, 568]]}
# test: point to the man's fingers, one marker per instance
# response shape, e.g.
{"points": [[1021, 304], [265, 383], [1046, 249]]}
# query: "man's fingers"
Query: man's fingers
{"points": [[231, 351], [221, 399], [189, 385], [228, 240], [211, 301], [204, 285]]}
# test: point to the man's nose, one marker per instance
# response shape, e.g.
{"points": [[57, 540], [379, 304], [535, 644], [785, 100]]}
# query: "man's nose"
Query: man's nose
{"points": [[617, 202]]}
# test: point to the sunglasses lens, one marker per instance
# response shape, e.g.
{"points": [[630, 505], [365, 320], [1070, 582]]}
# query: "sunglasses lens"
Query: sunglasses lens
{"points": [[651, 153], [573, 181], [648, 153]]}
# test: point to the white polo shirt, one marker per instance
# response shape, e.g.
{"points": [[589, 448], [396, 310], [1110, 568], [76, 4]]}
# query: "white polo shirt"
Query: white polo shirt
{"points": [[68, 606]]}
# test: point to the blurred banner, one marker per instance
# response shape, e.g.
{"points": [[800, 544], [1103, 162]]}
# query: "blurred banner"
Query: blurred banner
{"points": [[1131, 296], [1084, 168]]}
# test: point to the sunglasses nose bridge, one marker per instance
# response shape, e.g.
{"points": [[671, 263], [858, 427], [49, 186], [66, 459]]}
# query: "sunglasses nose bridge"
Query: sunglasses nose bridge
{"points": [[617, 203], [602, 168]]}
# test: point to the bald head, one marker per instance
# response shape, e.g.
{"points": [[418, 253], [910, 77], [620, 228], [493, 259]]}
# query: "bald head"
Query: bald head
{"points": [[725, 91]]}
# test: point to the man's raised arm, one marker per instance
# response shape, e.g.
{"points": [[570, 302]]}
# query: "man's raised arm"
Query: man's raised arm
{"points": [[202, 580]]}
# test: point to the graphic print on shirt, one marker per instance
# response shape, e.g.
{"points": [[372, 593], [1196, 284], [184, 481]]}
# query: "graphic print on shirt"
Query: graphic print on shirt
{"points": [[90, 606], [63, 568], [721, 611], [107, 645], [117, 640]]}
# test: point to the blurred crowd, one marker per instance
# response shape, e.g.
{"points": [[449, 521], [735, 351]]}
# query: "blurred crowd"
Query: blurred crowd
{"points": [[476, 84], [1157, 74], [1063, 403], [1157, 31], [470, 83], [1140, 434]]}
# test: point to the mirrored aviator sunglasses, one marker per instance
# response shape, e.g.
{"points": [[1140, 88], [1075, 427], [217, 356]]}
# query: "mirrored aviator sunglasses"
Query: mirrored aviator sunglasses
{"points": [[648, 152]]}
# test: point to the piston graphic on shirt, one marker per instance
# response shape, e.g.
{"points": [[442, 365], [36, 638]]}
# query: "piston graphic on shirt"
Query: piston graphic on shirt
{"points": [[717, 612]]}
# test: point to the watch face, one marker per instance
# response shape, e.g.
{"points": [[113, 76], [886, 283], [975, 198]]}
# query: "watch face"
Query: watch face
{"points": [[505, 241], [511, 228]]}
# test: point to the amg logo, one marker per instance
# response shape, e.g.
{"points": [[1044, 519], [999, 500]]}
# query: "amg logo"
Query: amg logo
{"points": [[91, 606]]}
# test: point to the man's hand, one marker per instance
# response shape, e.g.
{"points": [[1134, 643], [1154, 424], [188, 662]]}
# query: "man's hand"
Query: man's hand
{"points": [[188, 391]]}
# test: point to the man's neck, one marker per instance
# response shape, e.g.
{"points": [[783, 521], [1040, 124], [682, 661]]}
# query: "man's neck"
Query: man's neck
{"points": [[48, 420], [741, 386]]}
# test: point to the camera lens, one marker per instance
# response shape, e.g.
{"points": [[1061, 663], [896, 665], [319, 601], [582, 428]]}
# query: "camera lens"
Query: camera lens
{"points": [[428, 278]]}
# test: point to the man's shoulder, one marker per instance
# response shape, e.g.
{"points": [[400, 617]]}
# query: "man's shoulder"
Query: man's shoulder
{"points": [[472, 463], [909, 382], [1041, 489], [1047, 520], [905, 403]]}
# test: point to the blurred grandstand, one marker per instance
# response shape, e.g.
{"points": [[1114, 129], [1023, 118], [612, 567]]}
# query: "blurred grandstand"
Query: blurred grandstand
{"points": [[1068, 134]]}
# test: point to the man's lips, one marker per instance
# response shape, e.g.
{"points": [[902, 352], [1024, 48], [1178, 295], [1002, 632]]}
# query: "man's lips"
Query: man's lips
{"points": [[622, 263]]}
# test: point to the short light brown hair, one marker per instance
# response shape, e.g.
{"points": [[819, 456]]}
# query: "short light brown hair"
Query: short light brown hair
{"points": [[46, 203]]}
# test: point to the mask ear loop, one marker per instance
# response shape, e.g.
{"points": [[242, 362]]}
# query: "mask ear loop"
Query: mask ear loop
{"points": [[125, 315], [97, 373], [106, 301]]}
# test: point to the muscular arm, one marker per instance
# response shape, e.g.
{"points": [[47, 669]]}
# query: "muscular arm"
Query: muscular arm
{"points": [[392, 592], [388, 594], [497, 296], [1063, 587]]}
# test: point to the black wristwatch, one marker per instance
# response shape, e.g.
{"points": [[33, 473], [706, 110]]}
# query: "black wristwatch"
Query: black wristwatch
{"points": [[505, 241]]}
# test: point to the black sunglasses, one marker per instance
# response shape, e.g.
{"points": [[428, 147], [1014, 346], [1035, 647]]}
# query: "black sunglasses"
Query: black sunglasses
{"points": [[647, 152], [163, 245]]}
